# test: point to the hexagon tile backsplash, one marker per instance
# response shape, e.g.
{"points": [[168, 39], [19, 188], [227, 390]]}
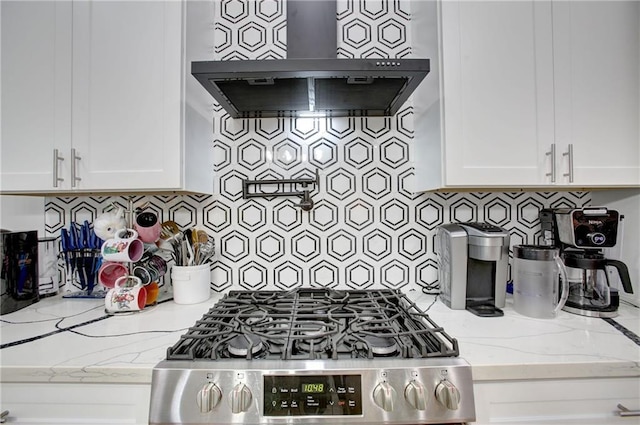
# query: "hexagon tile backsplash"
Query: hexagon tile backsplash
{"points": [[366, 229], [348, 240]]}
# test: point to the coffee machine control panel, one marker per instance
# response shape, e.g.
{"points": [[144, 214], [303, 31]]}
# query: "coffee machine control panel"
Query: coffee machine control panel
{"points": [[483, 227], [588, 227]]}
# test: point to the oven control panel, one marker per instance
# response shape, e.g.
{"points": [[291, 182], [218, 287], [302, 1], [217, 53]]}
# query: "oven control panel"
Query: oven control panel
{"points": [[312, 395], [313, 392]]}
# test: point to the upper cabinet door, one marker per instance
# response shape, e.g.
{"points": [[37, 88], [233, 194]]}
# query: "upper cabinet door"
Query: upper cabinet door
{"points": [[127, 70], [497, 79], [597, 91], [36, 96]]}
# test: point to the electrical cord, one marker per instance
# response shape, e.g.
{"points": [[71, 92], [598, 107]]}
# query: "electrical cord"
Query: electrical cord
{"points": [[71, 329]]}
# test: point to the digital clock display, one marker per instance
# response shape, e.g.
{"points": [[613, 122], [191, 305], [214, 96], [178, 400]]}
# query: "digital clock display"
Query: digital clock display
{"points": [[313, 387], [312, 395]]}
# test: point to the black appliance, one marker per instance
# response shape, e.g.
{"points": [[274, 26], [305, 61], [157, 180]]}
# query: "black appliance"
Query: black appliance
{"points": [[312, 80], [582, 234], [19, 286]]}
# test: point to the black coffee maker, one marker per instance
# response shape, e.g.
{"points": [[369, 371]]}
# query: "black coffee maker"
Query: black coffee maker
{"points": [[19, 286], [581, 234]]}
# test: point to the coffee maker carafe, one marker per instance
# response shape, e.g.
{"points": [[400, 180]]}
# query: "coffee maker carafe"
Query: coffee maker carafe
{"points": [[582, 234]]}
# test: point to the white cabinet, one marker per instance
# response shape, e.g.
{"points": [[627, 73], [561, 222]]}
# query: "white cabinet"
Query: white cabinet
{"points": [[597, 85], [76, 403], [515, 83], [36, 95], [556, 401], [131, 119]]}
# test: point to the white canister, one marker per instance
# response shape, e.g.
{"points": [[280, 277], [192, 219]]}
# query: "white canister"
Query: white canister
{"points": [[191, 284]]}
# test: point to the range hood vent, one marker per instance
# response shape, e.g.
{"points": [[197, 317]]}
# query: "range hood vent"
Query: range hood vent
{"points": [[312, 81]]}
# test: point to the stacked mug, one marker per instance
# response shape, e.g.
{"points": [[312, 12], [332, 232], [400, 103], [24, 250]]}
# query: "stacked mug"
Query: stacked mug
{"points": [[131, 291]]}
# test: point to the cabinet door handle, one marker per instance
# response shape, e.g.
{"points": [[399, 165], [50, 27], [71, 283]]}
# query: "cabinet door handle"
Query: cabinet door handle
{"points": [[74, 167], [569, 153], [626, 412], [552, 154], [56, 159]]}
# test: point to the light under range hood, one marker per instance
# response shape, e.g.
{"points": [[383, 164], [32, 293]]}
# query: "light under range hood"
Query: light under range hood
{"points": [[312, 81]]}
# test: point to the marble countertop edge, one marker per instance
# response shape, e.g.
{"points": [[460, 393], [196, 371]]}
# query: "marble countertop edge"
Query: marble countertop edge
{"points": [[503, 372], [486, 372], [102, 375]]}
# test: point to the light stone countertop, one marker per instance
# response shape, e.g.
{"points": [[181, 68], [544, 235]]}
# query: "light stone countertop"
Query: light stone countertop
{"points": [[72, 340]]}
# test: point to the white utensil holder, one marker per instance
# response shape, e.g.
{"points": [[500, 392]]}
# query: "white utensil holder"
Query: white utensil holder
{"points": [[191, 284]]}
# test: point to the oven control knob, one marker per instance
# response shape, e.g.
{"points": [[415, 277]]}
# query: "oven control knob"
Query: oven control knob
{"points": [[384, 395], [209, 397], [448, 395], [240, 398], [416, 395]]}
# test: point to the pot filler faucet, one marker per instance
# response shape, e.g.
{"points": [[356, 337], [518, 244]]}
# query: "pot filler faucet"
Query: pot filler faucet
{"points": [[306, 203]]}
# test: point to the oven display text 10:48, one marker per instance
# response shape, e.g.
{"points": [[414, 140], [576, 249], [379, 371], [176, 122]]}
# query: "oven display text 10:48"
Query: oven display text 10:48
{"points": [[313, 387]]}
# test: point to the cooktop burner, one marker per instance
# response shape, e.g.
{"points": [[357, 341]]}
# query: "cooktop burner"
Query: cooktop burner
{"points": [[314, 324]]}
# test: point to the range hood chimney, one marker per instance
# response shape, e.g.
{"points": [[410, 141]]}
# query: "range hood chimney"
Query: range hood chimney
{"points": [[312, 81]]}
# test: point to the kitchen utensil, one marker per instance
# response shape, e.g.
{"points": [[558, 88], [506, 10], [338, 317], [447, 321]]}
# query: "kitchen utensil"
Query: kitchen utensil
{"points": [[205, 251], [170, 236], [190, 255], [170, 228], [81, 252], [536, 278]]}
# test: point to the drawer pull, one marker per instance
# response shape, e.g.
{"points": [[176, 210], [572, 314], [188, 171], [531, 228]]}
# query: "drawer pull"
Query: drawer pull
{"points": [[552, 154], [626, 412]]}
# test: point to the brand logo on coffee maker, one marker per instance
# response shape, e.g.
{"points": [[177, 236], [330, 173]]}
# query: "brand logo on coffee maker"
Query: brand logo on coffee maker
{"points": [[596, 222]]}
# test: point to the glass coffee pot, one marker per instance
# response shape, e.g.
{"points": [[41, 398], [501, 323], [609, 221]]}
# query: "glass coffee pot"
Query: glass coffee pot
{"points": [[590, 292]]}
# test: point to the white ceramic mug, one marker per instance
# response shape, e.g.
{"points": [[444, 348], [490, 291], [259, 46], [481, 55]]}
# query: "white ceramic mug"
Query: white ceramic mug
{"points": [[128, 294], [124, 247]]}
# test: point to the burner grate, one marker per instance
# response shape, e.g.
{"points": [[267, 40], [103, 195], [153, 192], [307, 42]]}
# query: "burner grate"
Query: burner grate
{"points": [[314, 324]]}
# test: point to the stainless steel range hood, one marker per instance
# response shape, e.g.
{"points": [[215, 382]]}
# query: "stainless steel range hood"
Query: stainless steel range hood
{"points": [[311, 81]]}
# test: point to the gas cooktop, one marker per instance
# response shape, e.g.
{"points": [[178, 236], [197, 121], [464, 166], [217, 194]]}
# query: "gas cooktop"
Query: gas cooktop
{"points": [[313, 324], [313, 356]]}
